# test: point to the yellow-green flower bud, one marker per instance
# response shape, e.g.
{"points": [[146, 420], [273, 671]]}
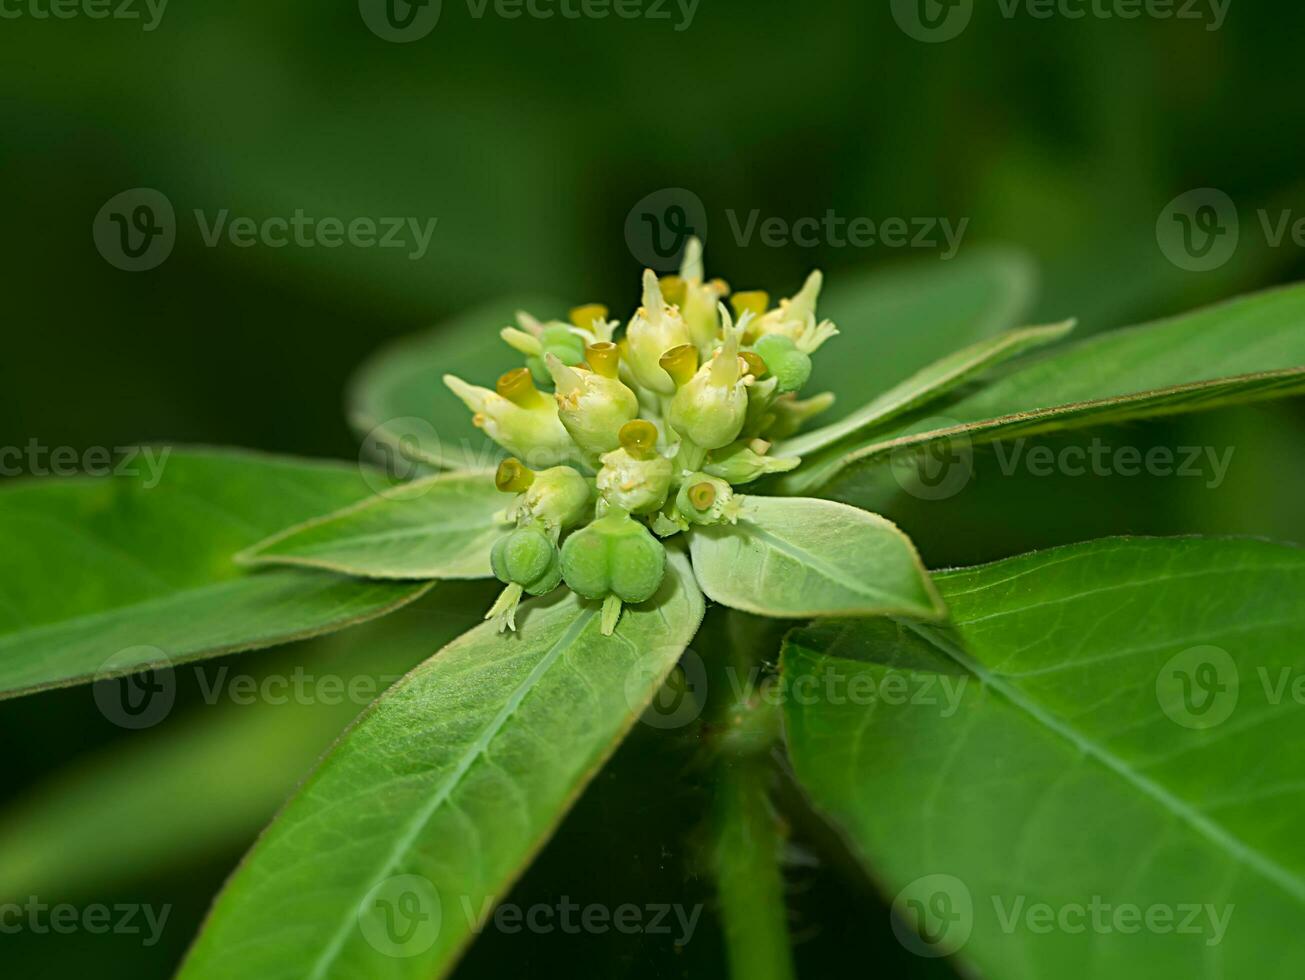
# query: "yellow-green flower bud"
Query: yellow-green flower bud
{"points": [[518, 417], [655, 329], [636, 478], [746, 461], [710, 408], [559, 497], [592, 406], [701, 299], [705, 499]]}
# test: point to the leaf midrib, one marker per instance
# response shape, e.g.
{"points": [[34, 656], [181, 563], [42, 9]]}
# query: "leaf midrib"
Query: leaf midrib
{"points": [[834, 574], [450, 782], [1211, 829]]}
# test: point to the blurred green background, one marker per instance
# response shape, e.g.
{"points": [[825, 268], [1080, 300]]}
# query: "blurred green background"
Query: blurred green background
{"points": [[530, 141]]}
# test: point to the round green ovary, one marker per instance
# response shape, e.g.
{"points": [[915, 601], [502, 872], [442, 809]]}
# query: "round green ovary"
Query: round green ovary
{"points": [[527, 558], [790, 366], [614, 556]]}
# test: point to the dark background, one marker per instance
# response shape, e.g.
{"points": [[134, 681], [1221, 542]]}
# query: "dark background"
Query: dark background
{"points": [[530, 141]]}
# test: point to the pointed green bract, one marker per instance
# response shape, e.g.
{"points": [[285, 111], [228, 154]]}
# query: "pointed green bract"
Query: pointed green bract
{"points": [[798, 558], [399, 845], [1248, 349], [1111, 724], [897, 321], [931, 383], [398, 401], [440, 527], [106, 576]]}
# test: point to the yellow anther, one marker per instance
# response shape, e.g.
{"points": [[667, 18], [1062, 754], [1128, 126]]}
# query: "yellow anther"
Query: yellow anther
{"points": [[639, 438], [519, 388], [673, 290], [584, 316], [513, 476], [604, 358], [680, 363], [755, 302], [756, 366]]}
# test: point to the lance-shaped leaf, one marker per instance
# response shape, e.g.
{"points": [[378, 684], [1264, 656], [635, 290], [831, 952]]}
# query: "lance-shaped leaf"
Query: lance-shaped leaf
{"points": [[897, 321], [1094, 774], [440, 527], [398, 400], [1251, 348], [798, 558], [106, 576], [397, 847], [206, 782], [932, 382]]}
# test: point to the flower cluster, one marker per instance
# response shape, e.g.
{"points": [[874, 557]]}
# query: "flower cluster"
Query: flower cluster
{"points": [[617, 444]]}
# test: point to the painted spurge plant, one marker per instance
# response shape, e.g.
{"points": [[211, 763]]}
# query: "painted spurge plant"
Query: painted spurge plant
{"points": [[678, 503]]}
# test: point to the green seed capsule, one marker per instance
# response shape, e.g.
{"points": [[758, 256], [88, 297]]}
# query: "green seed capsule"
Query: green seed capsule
{"points": [[615, 555], [790, 366], [528, 558]]}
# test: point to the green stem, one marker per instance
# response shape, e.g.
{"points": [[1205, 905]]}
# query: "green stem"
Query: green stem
{"points": [[747, 845]]}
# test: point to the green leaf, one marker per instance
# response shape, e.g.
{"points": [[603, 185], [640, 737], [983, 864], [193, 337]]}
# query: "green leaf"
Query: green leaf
{"points": [[746, 852], [433, 803], [106, 576], [398, 400], [206, 782], [441, 527], [1109, 723], [896, 321], [1251, 348], [928, 384], [798, 558]]}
